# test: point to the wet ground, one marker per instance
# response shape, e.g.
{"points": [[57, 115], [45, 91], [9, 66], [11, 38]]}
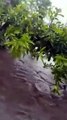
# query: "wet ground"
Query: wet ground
{"points": [[25, 91]]}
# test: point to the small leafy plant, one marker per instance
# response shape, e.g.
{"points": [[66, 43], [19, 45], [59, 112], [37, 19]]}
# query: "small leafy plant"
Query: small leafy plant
{"points": [[60, 72]]}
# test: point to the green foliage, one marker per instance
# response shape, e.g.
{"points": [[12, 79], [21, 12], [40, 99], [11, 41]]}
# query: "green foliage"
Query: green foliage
{"points": [[19, 45], [22, 21], [60, 71]]}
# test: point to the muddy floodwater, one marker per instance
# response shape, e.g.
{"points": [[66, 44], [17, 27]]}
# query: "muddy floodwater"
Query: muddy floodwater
{"points": [[25, 91]]}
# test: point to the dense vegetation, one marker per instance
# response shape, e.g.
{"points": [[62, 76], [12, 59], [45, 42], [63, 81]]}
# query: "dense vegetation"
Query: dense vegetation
{"points": [[32, 26]]}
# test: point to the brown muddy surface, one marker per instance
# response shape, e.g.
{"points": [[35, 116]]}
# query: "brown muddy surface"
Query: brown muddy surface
{"points": [[25, 91]]}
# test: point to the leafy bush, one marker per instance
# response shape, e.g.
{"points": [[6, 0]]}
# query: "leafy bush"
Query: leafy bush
{"points": [[60, 72]]}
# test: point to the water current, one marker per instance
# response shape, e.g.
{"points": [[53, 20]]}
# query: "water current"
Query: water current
{"points": [[25, 91]]}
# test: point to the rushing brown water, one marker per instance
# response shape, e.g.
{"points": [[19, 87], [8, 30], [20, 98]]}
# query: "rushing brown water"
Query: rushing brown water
{"points": [[25, 91]]}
